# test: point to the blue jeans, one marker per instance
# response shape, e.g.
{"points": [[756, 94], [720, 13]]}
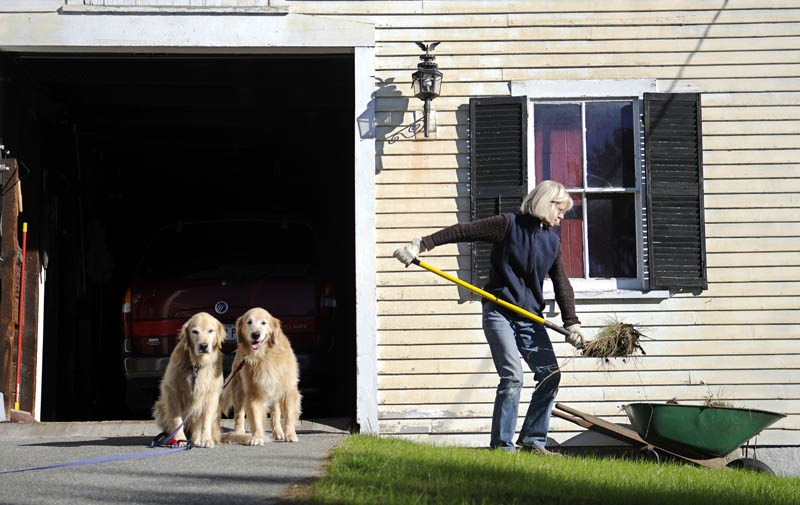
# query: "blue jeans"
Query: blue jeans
{"points": [[510, 336]]}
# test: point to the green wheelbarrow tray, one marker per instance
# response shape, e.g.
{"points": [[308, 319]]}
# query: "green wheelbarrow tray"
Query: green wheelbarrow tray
{"points": [[686, 432], [698, 432]]}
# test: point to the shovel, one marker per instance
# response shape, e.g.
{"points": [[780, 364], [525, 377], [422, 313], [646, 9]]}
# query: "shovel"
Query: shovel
{"points": [[489, 296]]}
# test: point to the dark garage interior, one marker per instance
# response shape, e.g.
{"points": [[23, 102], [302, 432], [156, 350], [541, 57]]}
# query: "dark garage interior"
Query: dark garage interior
{"points": [[113, 146]]}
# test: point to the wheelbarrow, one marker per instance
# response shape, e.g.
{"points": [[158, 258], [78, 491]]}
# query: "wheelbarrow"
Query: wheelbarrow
{"points": [[700, 435]]}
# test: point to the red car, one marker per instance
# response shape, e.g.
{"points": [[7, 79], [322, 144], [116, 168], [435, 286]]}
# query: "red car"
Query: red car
{"points": [[225, 267]]}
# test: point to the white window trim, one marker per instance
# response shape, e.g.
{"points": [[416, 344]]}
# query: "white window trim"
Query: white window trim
{"points": [[630, 89]]}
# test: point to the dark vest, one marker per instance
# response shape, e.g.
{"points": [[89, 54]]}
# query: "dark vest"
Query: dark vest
{"points": [[520, 263]]}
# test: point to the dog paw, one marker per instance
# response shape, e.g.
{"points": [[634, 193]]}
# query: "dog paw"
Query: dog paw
{"points": [[291, 437], [278, 435], [205, 442], [256, 441]]}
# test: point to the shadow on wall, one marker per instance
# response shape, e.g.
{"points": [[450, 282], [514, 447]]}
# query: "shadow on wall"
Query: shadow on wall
{"points": [[390, 108]]}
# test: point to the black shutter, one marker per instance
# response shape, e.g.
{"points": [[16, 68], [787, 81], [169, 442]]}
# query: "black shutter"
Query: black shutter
{"points": [[498, 165], [674, 175]]}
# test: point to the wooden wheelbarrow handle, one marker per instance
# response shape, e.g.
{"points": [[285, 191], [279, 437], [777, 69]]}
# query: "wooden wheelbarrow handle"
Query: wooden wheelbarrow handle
{"points": [[489, 296]]}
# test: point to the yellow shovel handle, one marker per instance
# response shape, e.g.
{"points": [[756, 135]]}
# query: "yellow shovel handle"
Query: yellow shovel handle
{"points": [[489, 296]]}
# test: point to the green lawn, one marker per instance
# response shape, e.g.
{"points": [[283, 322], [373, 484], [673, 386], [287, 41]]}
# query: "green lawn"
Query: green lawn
{"points": [[371, 470]]}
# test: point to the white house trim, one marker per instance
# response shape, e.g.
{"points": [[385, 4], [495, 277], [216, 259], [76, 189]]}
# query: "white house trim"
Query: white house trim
{"points": [[252, 34], [366, 267]]}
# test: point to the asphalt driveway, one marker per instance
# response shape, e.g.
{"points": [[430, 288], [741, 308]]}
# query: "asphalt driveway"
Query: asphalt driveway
{"points": [[229, 474]]}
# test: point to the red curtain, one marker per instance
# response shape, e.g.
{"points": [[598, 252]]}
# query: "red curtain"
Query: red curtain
{"points": [[572, 239], [559, 157]]}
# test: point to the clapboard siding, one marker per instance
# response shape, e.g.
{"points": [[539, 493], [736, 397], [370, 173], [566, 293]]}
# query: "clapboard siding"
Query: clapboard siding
{"points": [[416, 19], [737, 303], [484, 410], [710, 332], [756, 202], [697, 347], [777, 98], [476, 425], [557, 427], [755, 127], [616, 379], [721, 60], [749, 274], [713, 230], [738, 340], [751, 141], [725, 260], [744, 215], [451, 7], [655, 363], [559, 47], [592, 393], [730, 292], [755, 171], [770, 437], [479, 33]]}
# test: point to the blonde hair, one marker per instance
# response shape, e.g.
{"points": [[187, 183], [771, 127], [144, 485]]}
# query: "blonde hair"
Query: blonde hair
{"points": [[543, 199]]}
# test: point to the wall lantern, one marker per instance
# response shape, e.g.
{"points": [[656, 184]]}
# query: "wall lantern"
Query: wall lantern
{"points": [[427, 80]]}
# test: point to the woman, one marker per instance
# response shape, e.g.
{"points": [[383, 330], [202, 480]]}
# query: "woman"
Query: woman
{"points": [[526, 249]]}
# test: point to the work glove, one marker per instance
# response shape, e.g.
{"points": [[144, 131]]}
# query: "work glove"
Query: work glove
{"points": [[575, 337], [407, 254]]}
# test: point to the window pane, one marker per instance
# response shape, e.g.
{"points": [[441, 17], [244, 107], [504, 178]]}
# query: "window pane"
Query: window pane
{"points": [[609, 145], [559, 147], [572, 238], [612, 235]]}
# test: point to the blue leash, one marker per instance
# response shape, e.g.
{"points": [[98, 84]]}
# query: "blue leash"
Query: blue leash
{"points": [[160, 440], [99, 460]]}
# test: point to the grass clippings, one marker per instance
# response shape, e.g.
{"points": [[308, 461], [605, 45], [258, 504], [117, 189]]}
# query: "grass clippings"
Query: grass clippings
{"points": [[615, 340], [710, 401], [714, 400]]}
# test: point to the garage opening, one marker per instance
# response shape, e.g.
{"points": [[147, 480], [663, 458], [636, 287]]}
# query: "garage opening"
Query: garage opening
{"points": [[114, 149]]}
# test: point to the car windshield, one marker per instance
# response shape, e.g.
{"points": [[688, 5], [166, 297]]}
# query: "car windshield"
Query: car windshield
{"points": [[245, 249]]}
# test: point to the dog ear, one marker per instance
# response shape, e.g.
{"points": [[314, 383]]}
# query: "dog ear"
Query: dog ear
{"points": [[183, 338], [274, 328], [220, 336], [183, 335], [240, 328]]}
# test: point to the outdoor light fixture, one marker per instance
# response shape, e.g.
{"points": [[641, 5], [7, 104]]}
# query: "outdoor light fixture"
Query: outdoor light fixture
{"points": [[427, 80]]}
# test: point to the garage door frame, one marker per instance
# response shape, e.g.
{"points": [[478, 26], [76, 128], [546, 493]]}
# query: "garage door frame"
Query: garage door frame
{"points": [[111, 31]]}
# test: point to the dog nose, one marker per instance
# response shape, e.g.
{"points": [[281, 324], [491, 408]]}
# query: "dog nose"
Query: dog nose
{"points": [[255, 335], [203, 346]]}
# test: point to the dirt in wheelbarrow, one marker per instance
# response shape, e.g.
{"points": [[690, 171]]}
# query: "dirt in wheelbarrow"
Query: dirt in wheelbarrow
{"points": [[615, 340]]}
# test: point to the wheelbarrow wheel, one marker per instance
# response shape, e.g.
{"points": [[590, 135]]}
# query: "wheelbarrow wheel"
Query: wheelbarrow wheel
{"points": [[751, 464]]}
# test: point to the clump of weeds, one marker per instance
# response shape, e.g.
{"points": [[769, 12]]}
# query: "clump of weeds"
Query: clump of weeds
{"points": [[615, 340]]}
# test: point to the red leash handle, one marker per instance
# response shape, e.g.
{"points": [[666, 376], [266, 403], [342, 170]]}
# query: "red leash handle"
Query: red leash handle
{"points": [[21, 309]]}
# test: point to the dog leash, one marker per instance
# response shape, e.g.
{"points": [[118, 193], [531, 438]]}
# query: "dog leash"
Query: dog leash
{"points": [[241, 364], [159, 441], [97, 460]]}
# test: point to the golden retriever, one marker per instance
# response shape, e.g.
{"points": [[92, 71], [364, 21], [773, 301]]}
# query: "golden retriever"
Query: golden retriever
{"points": [[199, 348], [267, 379]]}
